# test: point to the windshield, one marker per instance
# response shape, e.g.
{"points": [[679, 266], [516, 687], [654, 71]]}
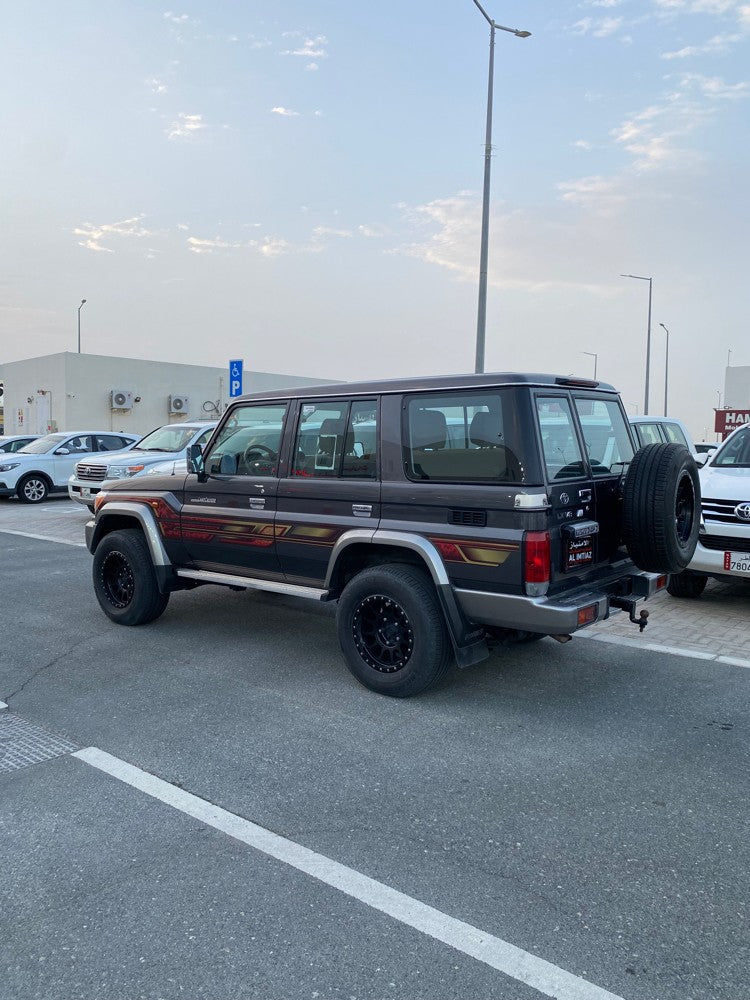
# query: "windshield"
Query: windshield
{"points": [[173, 437], [735, 452], [42, 445]]}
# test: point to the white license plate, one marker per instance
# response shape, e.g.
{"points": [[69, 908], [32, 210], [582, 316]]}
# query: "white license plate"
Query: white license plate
{"points": [[737, 562], [86, 491]]}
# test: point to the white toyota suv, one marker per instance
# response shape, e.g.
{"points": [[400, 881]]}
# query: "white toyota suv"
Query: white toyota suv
{"points": [[723, 548], [168, 442]]}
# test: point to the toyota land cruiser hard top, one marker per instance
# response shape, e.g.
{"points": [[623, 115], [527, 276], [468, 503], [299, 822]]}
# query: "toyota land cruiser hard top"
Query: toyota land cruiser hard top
{"points": [[443, 514]]}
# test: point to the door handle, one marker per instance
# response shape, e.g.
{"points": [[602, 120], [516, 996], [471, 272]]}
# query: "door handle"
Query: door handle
{"points": [[362, 509]]}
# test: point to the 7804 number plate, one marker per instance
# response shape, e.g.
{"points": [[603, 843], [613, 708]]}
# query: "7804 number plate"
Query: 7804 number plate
{"points": [[737, 562]]}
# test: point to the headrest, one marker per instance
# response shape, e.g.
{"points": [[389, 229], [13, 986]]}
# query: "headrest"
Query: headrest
{"points": [[484, 430], [428, 429], [330, 426]]}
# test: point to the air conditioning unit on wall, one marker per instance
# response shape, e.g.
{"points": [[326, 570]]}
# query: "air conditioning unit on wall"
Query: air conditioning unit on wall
{"points": [[121, 399], [178, 404]]}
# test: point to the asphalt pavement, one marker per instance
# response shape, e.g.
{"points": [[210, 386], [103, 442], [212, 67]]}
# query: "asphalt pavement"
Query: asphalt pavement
{"points": [[564, 820]]}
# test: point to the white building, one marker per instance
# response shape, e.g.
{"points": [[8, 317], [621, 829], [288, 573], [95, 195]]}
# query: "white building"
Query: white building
{"points": [[71, 392]]}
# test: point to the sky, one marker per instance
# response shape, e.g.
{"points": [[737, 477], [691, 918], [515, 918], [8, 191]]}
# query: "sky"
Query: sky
{"points": [[298, 183]]}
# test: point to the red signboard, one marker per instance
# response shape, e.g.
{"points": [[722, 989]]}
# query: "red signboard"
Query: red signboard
{"points": [[726, 420]]}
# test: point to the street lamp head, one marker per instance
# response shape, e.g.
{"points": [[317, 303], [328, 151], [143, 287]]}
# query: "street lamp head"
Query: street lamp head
{"points": [[83, 302], [522, 34]]}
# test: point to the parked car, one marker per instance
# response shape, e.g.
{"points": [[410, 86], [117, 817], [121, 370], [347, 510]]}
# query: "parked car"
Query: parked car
{"points": [[167, 443], [723, 548], [44, 466], [443, 515], [706, 447], [14, 442], [652, 430]]}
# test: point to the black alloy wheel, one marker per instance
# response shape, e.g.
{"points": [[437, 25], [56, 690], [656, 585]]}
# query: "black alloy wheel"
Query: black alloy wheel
{"points": [[392, 630], [382, 633], [125, 583]]}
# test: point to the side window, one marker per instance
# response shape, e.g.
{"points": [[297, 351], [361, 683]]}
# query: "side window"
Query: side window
{"points": [[675, 435], [463, 437], [649, 433], [360, 449], [203, 438], [605, 434], [336, 438], [249, 442], [562, 453], [107, 442], [79, 445]]}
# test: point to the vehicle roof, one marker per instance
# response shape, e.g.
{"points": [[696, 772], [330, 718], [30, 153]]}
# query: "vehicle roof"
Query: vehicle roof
{"points": [[653, 418], [429, 382]]}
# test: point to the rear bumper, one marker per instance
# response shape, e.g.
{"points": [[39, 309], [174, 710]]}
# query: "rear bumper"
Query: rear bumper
{"points": [[550, 615]]}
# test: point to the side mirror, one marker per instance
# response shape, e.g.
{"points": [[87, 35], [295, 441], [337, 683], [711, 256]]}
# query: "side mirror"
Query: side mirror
{"points": [[702, 457], [62, 451], [195, 458]]}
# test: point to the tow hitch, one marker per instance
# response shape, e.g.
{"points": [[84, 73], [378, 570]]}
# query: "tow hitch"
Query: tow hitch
{"points": [[629, 604]]}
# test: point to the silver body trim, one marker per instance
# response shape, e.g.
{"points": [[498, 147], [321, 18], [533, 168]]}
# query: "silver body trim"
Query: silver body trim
{"points": [[142, 513], [252, 583]]}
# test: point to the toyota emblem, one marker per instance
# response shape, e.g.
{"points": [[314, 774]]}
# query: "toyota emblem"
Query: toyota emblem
{"points": [[742, 510]]}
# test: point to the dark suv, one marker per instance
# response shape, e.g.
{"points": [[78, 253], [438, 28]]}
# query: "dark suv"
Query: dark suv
{"points": [[444, 515]]}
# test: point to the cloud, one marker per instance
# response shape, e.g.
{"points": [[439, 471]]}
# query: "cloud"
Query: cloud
{"points": [[715, 88], [600, 27], [312, 49], [93, 235], [719, 43], [156, 86], [185, 126], [285, 112], [176, 18]]}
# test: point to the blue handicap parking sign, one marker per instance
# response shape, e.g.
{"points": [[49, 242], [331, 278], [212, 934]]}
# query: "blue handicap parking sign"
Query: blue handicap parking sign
{"points": [[235, 378]]}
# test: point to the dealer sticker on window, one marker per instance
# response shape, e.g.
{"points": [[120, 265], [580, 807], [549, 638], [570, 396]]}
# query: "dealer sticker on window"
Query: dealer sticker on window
{"points": [[737, 562]]}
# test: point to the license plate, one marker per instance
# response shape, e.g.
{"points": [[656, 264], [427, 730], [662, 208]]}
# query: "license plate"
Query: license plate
{"points": [[579, 552], [86, 491], [737, 562]]}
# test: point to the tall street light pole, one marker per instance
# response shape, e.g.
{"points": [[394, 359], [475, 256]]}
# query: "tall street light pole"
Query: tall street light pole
{"points": [[666, 368], [640, 277], [482, 307], [83, 303], [594, 356]]}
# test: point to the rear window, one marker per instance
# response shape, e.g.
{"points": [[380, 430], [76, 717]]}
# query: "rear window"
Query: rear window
{"points": [[467, 437], [605, 434]]}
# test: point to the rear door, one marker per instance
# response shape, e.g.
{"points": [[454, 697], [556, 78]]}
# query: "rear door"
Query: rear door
{"points": [[332, 484], [609, 450], [227, 518]]}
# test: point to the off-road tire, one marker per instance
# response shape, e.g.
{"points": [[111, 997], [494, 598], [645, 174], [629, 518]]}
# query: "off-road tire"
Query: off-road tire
{"points": [[32, 488], [661, 508], [686, 584], [392, 630], [124, 579]]}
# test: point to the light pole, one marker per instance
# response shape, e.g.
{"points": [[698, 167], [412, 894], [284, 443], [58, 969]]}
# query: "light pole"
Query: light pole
{"points": [[666, 367], [639, 277], [483, 252], [83, 303], [594, 356]]}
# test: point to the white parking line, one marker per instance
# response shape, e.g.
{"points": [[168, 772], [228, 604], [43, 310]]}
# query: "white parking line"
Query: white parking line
{"points": [[498, 954], [42, 538], [655, 647]]}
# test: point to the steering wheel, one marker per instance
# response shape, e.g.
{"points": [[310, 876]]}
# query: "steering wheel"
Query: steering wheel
{"points": [[255, 451]]}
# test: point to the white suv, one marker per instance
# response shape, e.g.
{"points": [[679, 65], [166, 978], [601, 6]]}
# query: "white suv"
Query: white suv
{"points": [[43, 466], [723, 548], [168, 442]]}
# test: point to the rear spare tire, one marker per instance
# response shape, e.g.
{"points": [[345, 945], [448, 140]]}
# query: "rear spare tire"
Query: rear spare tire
{"points": [[661, 508]]}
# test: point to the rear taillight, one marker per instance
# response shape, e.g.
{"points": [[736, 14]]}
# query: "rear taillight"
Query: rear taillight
{"points": [[536, 562]]}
